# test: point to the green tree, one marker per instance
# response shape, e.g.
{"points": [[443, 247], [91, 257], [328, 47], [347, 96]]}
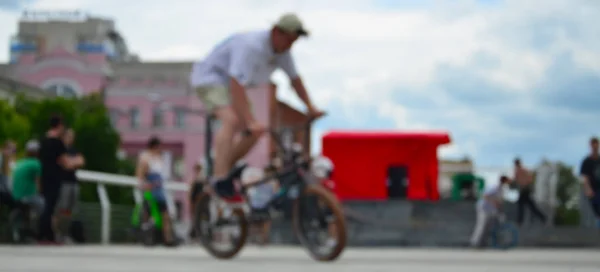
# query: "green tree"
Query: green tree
{"points": [[13, 126], [567, 193], [39, 111], [95, 137]]}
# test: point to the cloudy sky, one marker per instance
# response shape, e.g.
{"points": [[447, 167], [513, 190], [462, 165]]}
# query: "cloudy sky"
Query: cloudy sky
{"points": [[505, 78]]}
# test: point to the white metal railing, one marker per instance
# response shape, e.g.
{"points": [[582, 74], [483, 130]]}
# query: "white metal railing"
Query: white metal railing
{"points": [[103, 179]]}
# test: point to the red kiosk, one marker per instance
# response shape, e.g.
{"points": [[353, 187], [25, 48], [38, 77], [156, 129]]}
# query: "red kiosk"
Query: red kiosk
{"points": [[384, 165]]}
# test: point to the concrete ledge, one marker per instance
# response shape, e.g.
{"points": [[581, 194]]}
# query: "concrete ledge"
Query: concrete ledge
{"points": [[434, 224]]}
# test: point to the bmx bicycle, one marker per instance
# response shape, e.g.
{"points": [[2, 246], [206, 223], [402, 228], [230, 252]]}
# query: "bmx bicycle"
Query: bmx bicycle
{"points": [[22, 222], [147, 221], [503, 234], [314, 208]]}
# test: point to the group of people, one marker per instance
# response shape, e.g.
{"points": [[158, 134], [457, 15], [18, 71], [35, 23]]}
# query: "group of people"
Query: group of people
{"points": [[45, 180], [489, 206]]}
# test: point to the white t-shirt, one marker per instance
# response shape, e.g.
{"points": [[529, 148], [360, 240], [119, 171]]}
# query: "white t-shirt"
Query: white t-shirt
{"points": [[494, 192], [248, 57]]}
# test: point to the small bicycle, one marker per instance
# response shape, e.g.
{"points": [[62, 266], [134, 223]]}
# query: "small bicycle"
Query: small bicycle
{"points": [[22, 223], [317, 215], [147, 221], [503, 234]]}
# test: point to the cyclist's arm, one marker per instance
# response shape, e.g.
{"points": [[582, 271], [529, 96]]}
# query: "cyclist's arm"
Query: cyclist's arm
{"points": [[286, 62], [241, 72]]}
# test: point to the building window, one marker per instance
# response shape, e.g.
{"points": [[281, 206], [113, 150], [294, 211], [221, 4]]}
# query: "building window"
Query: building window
{"points": [[157, 117], [179, 117], [134, 117], [61, 89]]}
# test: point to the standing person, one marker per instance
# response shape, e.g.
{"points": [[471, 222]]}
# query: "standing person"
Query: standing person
{"points": [[196, 188], [69, 191], [7, 162], [590, 175], [244, 60], [488, 208], [150, 174], [54, 159], [524, 180], [6, 154], [26, 178]]}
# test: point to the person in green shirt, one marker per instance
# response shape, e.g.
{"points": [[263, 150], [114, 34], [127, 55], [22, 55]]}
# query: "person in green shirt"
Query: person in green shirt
{"points": [[26, 178]]}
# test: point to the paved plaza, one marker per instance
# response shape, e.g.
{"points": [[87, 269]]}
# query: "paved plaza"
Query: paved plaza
{"points": [[289, 259]]}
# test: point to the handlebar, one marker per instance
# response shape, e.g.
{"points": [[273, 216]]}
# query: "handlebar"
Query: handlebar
{"points": [[275, 132]]}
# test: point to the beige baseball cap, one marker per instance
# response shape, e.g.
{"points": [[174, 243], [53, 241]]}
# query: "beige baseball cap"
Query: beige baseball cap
{"points": [[290, 23]]}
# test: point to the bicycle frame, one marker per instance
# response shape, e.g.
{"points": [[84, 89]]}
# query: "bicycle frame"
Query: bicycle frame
{"points": [[289, 178], [153, 211]]}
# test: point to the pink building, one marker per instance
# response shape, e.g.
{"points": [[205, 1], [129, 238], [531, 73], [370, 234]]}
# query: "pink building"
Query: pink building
{"points": [[82, 55]]}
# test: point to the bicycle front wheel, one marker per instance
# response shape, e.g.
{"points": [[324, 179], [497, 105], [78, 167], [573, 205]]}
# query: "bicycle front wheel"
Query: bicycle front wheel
{"points": [[505, 236], [223, 236], [319, 223]]}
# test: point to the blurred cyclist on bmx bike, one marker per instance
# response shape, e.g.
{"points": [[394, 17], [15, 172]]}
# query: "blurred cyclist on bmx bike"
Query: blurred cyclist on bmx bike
{"points": [[220, 80], [489, 212]]}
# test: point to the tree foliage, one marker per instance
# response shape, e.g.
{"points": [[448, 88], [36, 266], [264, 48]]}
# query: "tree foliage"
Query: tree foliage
{"points": [[567, 194], [13, 126], [95, 137]]}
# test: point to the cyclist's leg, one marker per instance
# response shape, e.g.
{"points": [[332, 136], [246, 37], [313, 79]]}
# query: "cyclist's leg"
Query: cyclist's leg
{"points": [[479, 229], [216, 99], [245, 143], [241, 147]]}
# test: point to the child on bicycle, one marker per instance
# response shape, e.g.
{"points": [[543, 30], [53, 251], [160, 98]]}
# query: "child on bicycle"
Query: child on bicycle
{"points": [[150, 173], [488, 209]]}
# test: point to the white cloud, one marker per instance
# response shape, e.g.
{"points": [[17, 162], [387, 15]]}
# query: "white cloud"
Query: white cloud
{"points": [[359, 54]]}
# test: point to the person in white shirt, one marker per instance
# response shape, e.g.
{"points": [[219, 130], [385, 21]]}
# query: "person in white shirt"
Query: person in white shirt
{"points": [[241, 61], [488, 207]]}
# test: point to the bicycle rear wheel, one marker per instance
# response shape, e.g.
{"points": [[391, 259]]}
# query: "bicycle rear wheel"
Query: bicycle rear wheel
{"points": [[318, 208], [505, 236], [16, 227], [207, 231]]}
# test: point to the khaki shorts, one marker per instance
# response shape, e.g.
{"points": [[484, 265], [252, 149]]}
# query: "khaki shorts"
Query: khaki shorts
{"points": [[213, 96]]}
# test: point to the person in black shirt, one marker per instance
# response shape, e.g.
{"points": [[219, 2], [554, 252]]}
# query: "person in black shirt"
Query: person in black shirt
{"points": [[69, 192], [54, 160], [590, 173]]}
